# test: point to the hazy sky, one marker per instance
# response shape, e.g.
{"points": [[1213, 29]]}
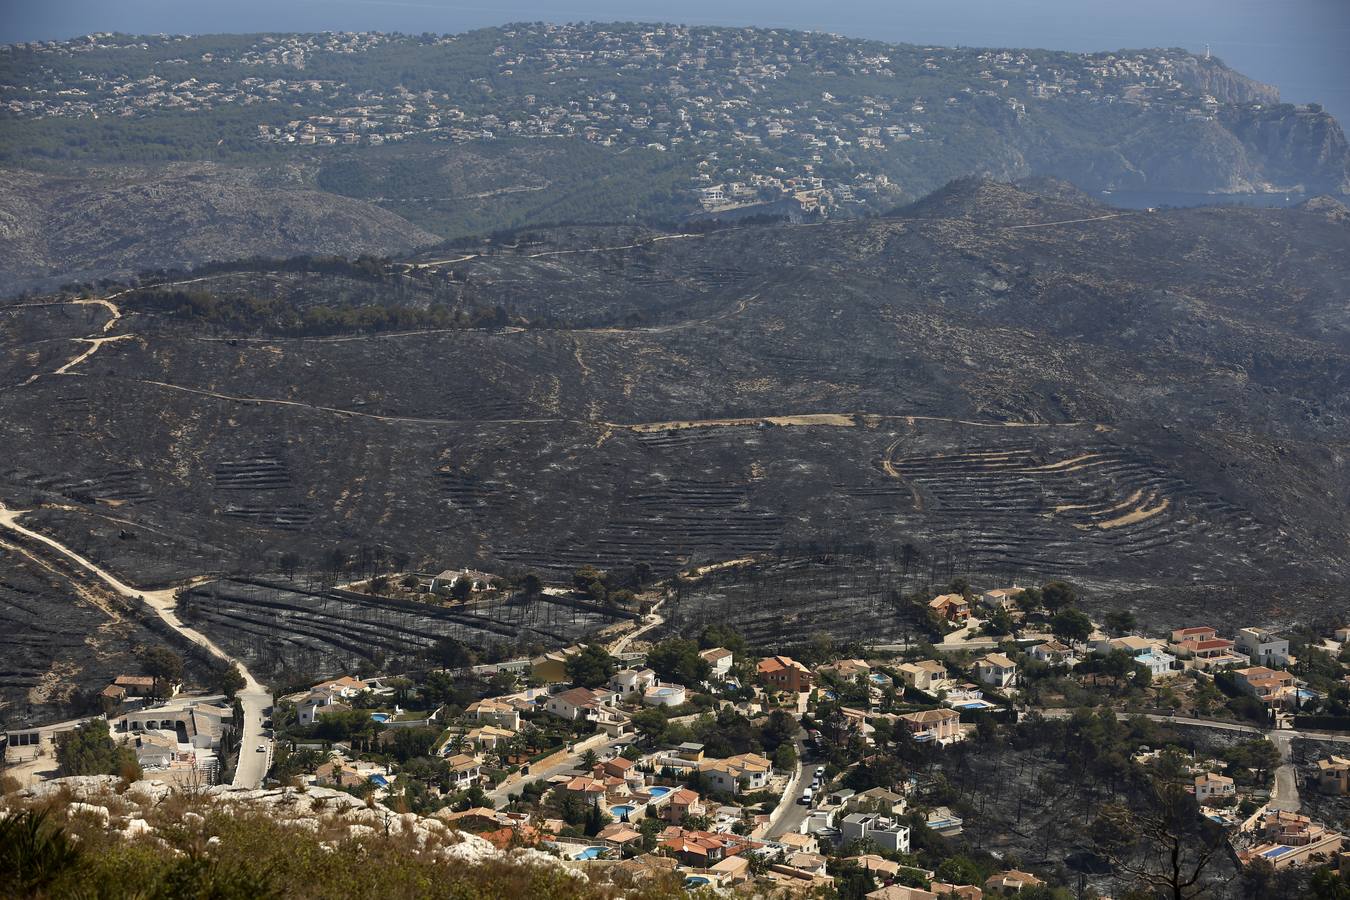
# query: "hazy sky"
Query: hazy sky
{"points": [[1303, 46]]}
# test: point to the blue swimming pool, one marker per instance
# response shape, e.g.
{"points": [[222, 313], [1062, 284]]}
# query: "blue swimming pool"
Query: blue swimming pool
{"points": [[380, 717], [659, 792], [590, 853], [1276, 851], [621, 810], [696, 881]]}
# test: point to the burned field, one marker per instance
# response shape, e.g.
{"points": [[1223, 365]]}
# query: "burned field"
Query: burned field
{"points": [[64, 637], [1010, 392], [284, 629]]}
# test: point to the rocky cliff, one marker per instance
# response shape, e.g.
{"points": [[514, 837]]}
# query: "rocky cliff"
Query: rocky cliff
{"points": [[1212, 77]]}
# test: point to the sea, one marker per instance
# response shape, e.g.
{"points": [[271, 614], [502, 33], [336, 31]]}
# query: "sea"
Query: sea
{"points": [[1158, 199]]}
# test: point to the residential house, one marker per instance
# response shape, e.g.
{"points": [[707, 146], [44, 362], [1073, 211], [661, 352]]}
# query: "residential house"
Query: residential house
{"points": [[338, 774], [1131, 644], [937, 890], [1011, 880], [589, 788], [927, 675], [628, 682], [346, 686], [551, 668], [1002, 598], [847, 669], [745, 771], [884, 831], [443, 582], [619, 834], [488, 736], [1342, 634], [621, 768], [496, 712], [1271, 686], [579, 703], [1203, 648], [808, 863], [719, 661], [1193, 633], [682, 804], [783, 673], [945, 822], [732, 870], [879, 865], [156, 750], [317, 703], [800, 843], [1054, 653], [464, 769], [1210, 787], [1333, 775], [1263, 647], [1160, 664], [612, 721], [191, 721], [878, 800], [700, 849], [938, 725], [1290, 839], [691, 751], [950, 607], [997, 670], [144, 686]]}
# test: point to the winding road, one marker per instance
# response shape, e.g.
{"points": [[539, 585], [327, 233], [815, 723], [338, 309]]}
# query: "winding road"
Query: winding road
{"points": [[254, 698]]}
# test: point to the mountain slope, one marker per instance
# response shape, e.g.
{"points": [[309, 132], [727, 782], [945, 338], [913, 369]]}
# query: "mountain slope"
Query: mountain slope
{"points": [[1130, 398], [119, 221]]}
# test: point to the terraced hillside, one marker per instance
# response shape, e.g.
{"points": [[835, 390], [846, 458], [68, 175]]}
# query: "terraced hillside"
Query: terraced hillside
{"points": [[280, 627], [1009, 380]]}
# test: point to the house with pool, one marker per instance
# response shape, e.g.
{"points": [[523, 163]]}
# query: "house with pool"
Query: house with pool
{"points": [[665, 694]]}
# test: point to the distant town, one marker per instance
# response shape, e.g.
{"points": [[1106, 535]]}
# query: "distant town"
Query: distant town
{"points": [[739, 104]]}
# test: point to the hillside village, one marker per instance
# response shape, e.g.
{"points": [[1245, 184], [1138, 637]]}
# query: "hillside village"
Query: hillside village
{"points": [[810, 768], [744, 107]]}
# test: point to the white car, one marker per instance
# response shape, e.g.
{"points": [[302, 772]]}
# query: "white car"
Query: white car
{"points": [[262, 748]]}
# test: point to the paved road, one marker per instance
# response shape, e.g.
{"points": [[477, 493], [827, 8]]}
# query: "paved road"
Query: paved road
{"points": [[254, 698], [789, 814]]}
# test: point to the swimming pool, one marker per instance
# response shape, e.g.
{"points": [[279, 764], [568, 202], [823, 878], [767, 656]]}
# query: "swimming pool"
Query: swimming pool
{"points": [[590, 853], [621, 810], [659, 792], [380, 717], [694, 881], [1276, 851]]}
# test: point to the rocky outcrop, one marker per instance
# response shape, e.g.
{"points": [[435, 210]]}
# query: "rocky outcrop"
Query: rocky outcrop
{"points": [[1212, 77], [141, 811], [1295, 147]]}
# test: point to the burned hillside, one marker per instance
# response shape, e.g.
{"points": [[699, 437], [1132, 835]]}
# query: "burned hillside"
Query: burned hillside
{"points": [[1140, 399]]}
